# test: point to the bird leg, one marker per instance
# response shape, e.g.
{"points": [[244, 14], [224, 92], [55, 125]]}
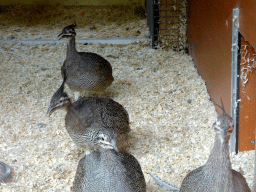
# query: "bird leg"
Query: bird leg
{"points": [[77, 95], [87, 150]]}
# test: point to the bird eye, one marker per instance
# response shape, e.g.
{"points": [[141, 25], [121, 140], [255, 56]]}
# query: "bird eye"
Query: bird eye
{"points": [[101, 139], [62, 100]]}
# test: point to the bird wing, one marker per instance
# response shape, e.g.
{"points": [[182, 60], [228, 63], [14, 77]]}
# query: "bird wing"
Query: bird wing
{"points": [[98, 63], [239, 182], [115, 116], [134, 174]]}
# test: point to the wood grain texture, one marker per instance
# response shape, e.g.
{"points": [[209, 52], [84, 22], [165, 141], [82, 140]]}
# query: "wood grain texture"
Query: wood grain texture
{"points": [[247, 111], [210, 40], [247, 20]]}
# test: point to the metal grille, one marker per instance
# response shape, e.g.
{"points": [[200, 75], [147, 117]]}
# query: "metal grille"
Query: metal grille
{"points": [[167, 20]]}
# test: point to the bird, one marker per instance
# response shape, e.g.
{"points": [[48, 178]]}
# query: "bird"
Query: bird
{"points": [[92, 119], [109, 170], [217, 174], [86, 71]]}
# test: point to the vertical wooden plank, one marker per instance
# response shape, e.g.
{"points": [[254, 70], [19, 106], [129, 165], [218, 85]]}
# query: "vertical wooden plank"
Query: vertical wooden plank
{"points": [[247, 114]]}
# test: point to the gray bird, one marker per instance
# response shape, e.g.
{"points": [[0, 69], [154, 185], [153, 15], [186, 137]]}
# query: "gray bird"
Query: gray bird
{"points": [[217, 174], [91, 119], [109, 171], [85, 71]]}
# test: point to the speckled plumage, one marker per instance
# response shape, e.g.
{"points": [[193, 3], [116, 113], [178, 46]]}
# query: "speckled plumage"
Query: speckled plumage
{"points": [[217, 174], [91, 116], [87, 111], [85, 71], [109, 171]]}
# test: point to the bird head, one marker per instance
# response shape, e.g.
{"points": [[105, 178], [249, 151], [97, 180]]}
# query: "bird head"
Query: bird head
{"points": [[68, 32], [59, 99], [106, 138], [224, 124]]}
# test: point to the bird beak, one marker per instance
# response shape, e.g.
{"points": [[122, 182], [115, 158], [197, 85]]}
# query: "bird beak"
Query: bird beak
{"points": [[50, 110], [114, 145], [60, 35]]}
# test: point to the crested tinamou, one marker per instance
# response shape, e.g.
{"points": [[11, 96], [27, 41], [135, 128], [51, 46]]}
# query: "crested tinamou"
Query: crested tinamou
{"points": [[85, 71], [90, 120], [217, 174], [107, 170]]}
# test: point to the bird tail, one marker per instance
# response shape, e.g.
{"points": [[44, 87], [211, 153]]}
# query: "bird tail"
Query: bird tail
{"points": [[163, 183]]}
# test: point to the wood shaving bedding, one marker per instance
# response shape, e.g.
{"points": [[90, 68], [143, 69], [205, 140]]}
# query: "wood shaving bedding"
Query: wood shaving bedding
{"points": [[170, 113], [46, 22], [167, 101]]}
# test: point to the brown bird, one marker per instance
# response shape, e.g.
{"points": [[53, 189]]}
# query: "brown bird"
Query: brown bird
{"points": [[85, 71], [92, 121]]}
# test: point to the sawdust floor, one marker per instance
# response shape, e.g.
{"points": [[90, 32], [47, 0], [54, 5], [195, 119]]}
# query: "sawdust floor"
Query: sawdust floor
{"points": [[170, 113]]}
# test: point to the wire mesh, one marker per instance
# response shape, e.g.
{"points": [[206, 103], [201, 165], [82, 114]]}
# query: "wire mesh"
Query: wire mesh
{"points": [[169, 23]]}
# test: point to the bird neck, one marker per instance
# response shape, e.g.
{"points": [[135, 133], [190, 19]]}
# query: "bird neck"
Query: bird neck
{"points": [[71, 47], [66, 107], [219, 161]]}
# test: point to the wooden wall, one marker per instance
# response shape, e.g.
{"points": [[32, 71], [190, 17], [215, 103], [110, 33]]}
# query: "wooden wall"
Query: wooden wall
{"points": [[210, 40], [247, 117], [247, 20]]}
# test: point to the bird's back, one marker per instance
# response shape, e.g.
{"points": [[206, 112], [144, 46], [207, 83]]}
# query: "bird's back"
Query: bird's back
{"points": [[85, 113], [114, 115], [196, 180], [239, 180], [202, 180], [108, 171], [81, 118], [88, 71]]}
